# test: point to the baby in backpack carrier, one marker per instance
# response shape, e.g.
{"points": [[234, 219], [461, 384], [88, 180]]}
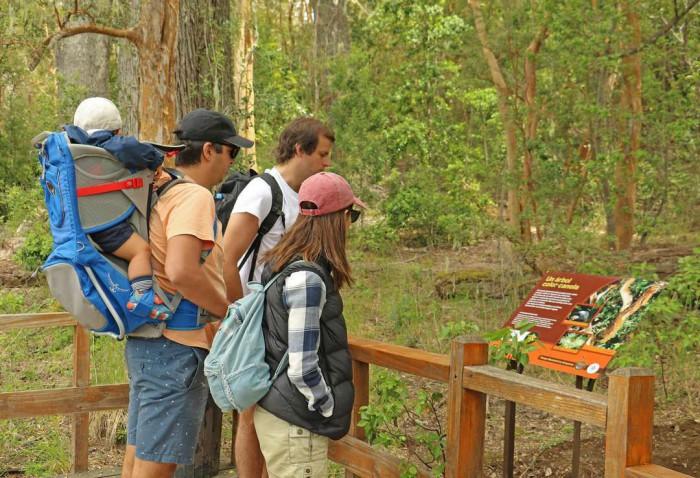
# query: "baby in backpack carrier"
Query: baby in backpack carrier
{"points": [[97, 122]]}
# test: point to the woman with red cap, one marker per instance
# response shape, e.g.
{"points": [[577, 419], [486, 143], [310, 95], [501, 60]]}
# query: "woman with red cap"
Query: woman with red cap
{"points": [[312, 401]]}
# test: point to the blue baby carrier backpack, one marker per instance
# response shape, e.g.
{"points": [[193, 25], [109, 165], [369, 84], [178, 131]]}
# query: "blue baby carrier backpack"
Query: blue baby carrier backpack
{"points": [[87, 190]]}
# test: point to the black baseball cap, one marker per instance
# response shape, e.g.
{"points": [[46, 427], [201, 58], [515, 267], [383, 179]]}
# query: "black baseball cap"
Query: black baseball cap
{"points": [[206, 125]]}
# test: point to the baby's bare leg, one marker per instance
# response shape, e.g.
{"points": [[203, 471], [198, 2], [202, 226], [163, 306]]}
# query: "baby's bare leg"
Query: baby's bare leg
{"points": [[137, 251]]}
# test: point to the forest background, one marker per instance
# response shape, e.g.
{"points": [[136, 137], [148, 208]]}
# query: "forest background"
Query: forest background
{"points": [[493, 141]]}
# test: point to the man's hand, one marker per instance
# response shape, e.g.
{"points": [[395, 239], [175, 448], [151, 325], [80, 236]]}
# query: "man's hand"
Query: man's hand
{"points": [[240, 232], [185, 272]]}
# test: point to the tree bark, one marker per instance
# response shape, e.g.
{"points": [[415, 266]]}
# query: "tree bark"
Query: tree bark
{"points": [[191, 44], [631, 107], [83, 62], [202, 80], [531, 130], [157, 32], [243, 73], [128, 67], [505, 110]]}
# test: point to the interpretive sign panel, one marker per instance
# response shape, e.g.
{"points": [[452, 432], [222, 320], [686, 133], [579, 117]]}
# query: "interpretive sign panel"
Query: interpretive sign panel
{"points": [[582, 319]]}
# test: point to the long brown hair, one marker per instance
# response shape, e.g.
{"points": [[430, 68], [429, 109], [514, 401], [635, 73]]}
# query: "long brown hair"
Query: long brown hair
{"points": [[313, 238]]}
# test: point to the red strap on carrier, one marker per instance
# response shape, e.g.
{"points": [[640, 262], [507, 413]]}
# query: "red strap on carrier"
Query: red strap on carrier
{"points": [[133, 183]]}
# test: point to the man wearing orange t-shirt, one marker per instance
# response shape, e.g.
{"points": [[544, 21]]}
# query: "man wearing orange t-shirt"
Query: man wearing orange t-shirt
{"points": [[167, 388]]}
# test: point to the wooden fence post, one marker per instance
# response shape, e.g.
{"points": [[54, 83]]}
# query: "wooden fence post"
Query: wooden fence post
{"points": [[80, 426], [466, 412], [206, 457], [630, 421], [360, 378]]}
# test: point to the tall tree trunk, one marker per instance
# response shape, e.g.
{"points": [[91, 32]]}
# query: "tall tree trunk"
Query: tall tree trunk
{"points": [[191, 44], [333, 27], [631, 106], [202, 81], [243, 73], [505, 110], [529, 200], [157, 33], [128, 71], [331, 37], [83, 62]]}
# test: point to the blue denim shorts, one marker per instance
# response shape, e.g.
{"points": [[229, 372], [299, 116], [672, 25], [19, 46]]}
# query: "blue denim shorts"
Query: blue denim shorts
{"points": [[113, 238], [167, 397]]}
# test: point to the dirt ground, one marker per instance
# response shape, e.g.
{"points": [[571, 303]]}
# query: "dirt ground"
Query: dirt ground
{"points": [[543, 446], [676, 447]]}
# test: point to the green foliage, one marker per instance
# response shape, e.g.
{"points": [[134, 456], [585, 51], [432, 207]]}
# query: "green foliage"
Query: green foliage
{"points": [[378, 238], [36, 246], [397, 131], [398, 419], [11, 302], [454, 329], [513, 345], [685, 284]]}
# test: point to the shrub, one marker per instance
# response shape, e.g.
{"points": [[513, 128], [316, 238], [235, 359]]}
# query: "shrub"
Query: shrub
{"points": [[36, 247]]}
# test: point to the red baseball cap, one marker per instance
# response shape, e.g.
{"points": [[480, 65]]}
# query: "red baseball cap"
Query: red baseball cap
{"points": [[326, 193]]}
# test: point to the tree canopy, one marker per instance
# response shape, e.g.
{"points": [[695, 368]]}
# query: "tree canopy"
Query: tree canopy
{"points": [[535, 120]]}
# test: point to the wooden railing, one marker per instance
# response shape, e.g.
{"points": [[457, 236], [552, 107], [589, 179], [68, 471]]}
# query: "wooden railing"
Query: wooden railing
{"points": [[626, 413]]}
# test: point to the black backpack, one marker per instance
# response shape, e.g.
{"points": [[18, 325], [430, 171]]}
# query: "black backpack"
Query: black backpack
{"points": [[226, 197]]}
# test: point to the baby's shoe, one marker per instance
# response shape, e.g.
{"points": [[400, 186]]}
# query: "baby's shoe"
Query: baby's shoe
{"points": [[148, 304]]}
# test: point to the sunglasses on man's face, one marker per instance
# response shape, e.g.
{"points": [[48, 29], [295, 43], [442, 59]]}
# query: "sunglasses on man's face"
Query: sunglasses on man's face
{"points": [[354, 214], [233, 150]]}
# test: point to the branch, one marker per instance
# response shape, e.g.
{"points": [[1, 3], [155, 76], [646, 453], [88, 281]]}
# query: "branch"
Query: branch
{"points": [[57, 15], [661, 32], [130, 34], [495, 69]]}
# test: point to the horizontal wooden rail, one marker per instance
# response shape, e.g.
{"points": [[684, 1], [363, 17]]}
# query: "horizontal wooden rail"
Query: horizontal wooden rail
{"points": [[360, 458], [63, 401], [560, 400], [29, 321], [653, 471], [404, 359]]}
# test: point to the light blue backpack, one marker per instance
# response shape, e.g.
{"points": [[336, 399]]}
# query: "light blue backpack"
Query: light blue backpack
{"points": [[236, 369]]}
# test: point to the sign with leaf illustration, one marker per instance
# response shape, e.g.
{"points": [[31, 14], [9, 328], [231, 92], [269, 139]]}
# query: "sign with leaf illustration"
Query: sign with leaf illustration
{"points": [[580, 320]]}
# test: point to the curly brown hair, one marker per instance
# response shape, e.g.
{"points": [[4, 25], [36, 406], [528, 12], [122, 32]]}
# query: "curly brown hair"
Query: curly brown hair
{"points": [[305, 132]]}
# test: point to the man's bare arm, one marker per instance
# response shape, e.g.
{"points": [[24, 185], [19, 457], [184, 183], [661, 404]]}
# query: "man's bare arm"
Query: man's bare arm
{"points": [[184, 270], [241, 230]]}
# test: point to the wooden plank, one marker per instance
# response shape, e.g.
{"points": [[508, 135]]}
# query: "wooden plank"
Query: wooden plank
{"points": [[509, 439], [63, 401], [360, 378], [466, 412], [361, 459], [28, 321], [560, 400], [102, 473], [653, 471], [404, 359], [629, 430], [81, 378]]}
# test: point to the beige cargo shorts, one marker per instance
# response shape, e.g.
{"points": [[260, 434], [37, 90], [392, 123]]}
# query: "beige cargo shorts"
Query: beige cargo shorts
{"points": [[290, 451]]}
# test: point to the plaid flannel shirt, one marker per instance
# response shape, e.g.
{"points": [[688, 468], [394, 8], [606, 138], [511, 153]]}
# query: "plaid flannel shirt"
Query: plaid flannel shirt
{"points": [[304, 294]]}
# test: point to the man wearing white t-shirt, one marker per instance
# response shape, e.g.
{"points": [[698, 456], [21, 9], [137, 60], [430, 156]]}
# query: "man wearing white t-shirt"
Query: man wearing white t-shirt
{"points": [[304, 149]]}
